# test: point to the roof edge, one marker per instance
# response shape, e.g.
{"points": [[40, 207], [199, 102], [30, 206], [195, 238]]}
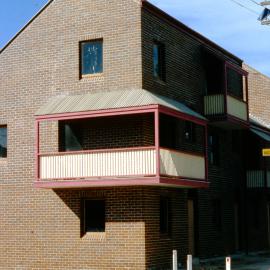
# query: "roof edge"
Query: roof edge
{"points": [[187, 30], [26, 25]]}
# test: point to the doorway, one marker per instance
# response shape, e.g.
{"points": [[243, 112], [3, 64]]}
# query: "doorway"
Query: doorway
{"points": [[268, 221], [237, 238], [191, 227]]}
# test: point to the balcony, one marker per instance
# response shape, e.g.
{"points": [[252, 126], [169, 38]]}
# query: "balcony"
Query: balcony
{"points": [[226, 102], [220, 105], [258, 179], [123, 147], [132, 163]]}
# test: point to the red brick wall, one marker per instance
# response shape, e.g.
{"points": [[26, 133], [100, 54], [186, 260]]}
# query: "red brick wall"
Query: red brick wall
{"points": [[259, 91]]}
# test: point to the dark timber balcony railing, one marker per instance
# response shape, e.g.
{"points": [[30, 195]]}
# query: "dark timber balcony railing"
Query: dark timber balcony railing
{"points": [[258, 179]]}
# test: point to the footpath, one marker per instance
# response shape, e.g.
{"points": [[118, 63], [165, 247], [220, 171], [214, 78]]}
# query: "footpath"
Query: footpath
{"points": [[243, 262]]}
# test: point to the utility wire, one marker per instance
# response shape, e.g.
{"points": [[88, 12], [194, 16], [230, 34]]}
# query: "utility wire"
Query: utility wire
{"points": [[255, 2], [243, 6]]}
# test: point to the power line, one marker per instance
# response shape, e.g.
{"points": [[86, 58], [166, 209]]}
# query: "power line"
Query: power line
{"points": [[243, 6], [255, 2]]}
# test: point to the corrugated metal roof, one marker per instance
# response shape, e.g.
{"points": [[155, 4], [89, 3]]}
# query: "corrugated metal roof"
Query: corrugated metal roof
{"points": [[254, 120], [111, 100], [261, 134]]}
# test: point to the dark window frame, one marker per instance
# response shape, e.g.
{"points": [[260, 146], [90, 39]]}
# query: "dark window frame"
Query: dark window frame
{"points": [[216, 214], [189, 132], [81, 75], [84, 229], [160, 73], [165, 226], [214, 149], [3, 153]]}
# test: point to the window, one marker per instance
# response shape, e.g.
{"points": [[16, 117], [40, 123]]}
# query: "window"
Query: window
{"points": [[234, 83], [213, 146], [189, 132], [236, 141], [214, 68], [217, 222], [93, 216], [165, 216], [159, 61], [91, 57], [70, 137], [3, 141]]}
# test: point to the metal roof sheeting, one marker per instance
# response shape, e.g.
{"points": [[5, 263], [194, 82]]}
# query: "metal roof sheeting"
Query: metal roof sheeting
{"points": [[111, 100], [261, 134]]}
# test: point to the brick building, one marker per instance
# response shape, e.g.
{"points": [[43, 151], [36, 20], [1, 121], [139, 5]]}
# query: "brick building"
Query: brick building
{"points": [[123, 136]]}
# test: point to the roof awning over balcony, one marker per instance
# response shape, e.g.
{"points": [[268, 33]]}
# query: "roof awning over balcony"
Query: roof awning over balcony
{"points": [[112, 100], [261, 134]]}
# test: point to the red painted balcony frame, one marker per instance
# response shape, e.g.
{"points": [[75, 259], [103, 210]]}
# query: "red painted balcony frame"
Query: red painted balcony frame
{"points": [[245, 99], [156, 179]]}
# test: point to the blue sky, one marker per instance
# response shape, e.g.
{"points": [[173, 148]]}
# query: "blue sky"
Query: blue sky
{"points": [[226, 23]]}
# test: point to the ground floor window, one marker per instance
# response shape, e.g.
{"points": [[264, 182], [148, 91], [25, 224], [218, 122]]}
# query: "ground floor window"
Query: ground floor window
{"points": [[93, 216], [165, 216]]}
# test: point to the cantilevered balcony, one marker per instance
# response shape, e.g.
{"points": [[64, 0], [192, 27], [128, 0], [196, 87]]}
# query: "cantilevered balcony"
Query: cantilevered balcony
{"points": [[226, 102], [158, 143]]}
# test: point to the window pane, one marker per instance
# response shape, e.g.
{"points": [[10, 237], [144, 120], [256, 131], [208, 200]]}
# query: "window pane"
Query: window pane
{"points": [[92, 57], [235, 83], [3, 142], [72, 140], [94, 215], [159, 61], [213, 147], [164, 215], [156, 60]]}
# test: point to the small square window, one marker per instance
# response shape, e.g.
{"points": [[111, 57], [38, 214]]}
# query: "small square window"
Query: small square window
{"points": [[91, 57], [165, 216], [3, 141], [93, 216], [159, 61]]}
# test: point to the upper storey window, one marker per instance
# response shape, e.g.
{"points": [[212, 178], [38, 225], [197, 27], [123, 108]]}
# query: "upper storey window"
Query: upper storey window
{"points": [[3, 141], [91, 57], [159, 61]]}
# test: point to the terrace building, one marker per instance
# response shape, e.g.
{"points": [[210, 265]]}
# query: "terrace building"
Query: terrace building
{"points": [[125, 135]]}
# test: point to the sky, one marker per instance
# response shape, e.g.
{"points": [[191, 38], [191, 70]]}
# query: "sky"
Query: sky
{"points": [[225, 22]]}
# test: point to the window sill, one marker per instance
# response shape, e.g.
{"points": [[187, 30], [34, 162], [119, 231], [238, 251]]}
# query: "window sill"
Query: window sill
{"points": [[159, 81], [165, 236], [3, 161], [97, 236], [92, 76]]}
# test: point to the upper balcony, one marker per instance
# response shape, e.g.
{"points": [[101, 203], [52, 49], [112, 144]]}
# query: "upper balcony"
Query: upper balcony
{"points": [[118, 139], [226, 100]]}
